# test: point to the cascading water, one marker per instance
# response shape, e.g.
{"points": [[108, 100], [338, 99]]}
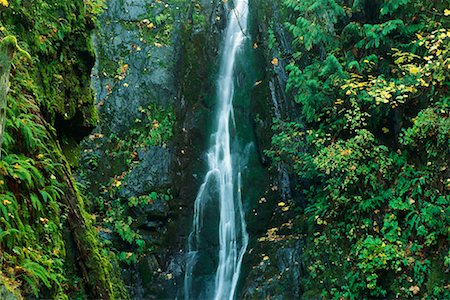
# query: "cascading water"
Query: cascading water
{"points": [[222, 185]]}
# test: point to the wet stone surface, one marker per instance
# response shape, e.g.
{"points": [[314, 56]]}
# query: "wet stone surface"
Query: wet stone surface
{"points": [[153, 172], [133, 69]]}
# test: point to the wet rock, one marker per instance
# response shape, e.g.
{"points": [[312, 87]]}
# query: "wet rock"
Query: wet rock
{"points": [[150, 72], [129, 10], [277, 274], [152, 173], [7, 294]]}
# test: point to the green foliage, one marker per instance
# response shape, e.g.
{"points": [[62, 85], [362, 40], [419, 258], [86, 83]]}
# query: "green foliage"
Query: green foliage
{"points": [[56, 34], [117, 216], [30, 233], [371, 145], [115, 213], [34, 178], [157, 29], [94, 8]]}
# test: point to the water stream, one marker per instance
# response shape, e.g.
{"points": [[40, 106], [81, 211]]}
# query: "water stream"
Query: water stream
{"points": [[225, 238]]}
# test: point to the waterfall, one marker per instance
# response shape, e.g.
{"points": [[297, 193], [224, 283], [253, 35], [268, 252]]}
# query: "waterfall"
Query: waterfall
{"points": [[222, 184]]}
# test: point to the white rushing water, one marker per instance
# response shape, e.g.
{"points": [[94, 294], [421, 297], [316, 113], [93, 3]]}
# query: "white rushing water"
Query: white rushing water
{"points": [[223, 181]]}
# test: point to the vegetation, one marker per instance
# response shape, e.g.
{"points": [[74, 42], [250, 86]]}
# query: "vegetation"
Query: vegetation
{"points": [[369, 146], [372, 144], [39, 201], [115, 213]]}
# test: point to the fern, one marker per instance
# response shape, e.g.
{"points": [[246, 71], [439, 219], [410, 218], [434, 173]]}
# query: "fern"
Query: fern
{"points": [[392, 6], [36, 203]]}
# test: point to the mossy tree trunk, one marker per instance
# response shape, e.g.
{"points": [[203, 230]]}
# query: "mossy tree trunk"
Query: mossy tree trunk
{"points": [[96, 268], [7, 49]]}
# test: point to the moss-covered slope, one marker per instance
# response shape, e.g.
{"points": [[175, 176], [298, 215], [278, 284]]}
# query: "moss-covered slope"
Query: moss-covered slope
{"points": [[43, 222]]}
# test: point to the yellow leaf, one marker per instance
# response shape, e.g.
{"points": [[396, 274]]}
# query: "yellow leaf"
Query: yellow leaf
{"points": [[447, 12], [413, 70], [415, 289], [275, 61], [4, 3], [385, 130], [281, 204], [266, 258]]}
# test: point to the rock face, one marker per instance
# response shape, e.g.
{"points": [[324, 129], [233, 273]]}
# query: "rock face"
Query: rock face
{"points": [[131, 72], [153, 68], [152, 173], [135, 77], [141, 74], [274, 268]]}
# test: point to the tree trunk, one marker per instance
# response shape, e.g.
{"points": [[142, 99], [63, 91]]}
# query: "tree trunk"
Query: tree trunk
{"points": [[7, 50]]}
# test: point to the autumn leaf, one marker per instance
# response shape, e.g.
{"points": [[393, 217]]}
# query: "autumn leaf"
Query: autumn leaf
{"points": [[415, 289], [275, 61], [4, 3], [117, 183], [286, 208], [413, 70]]}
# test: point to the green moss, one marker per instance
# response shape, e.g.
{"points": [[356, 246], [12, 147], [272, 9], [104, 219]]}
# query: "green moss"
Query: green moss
{"points": [[102, 272], [57, 33], [37, 188], [8, 289], [71, 150]]}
